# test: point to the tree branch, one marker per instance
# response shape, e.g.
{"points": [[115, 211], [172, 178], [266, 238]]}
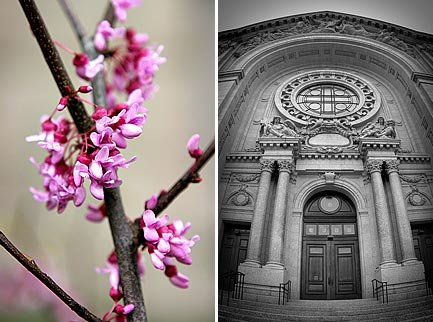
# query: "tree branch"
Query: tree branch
{"points": [[125, 247], [54, 62], [33, 268], [86, 44], [123, 237], [109, 14], [180, 185]]}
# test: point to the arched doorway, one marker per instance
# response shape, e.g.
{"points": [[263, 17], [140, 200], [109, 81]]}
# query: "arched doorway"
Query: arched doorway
{"points": [[330, 254]]}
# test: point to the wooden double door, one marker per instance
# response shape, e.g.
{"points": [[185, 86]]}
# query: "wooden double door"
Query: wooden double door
{"points": [[234, 248], [330, 269]]}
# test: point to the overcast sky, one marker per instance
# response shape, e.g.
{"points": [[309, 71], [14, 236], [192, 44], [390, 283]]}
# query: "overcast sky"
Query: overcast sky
{"points": [[413, 14]]}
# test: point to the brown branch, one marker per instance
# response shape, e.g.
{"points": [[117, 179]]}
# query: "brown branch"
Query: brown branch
{"points": [[180, 185], [86, 44], [54, 62], [33, 268], [122, 235], [109, 14]]}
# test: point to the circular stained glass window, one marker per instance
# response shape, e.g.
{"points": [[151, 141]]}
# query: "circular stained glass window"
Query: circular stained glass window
{"points": [[327, 100], [329, 204], [331, 95]]}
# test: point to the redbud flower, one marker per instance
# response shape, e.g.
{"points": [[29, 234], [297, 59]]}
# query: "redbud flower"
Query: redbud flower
{"points": [[96, 214], [87, 69], [105, 32], [193, 146], [151, 202], [62, 103], [121, 6], [120, 309]]}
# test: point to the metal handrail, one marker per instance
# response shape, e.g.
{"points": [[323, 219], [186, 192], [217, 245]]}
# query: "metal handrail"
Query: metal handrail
{"points": [[233, 283], [429, 281], [376, 285], [286, 289]]}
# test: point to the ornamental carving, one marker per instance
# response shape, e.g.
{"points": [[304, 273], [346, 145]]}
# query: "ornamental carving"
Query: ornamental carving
{"points": [[417, 198], [413, 179], [267, 165], [285, 165], [392, 165], [241, 198], [374, 166], [246, 177], [324, 25], [379, 129], [278, 129], [327, 98]]}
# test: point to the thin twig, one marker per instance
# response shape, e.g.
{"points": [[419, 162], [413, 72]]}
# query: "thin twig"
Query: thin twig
{"points": [[123, 237], [180, 185], [33, 268], [109, 14], [86, 44], [54, 62]]}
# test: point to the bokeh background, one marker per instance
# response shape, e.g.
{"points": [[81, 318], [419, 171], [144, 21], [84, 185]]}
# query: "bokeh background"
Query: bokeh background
{"points": [[67, 245]]}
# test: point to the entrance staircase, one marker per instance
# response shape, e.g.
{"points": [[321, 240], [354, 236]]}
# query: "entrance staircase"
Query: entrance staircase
{"points": [[414, 309]]}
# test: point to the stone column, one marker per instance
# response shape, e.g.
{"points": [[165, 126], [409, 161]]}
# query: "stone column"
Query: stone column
{"points": [[386, 243], [277, 228], [403, 223], [256, 232]]}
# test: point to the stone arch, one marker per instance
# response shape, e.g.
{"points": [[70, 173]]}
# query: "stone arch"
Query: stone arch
{"points": [[347, 188]]}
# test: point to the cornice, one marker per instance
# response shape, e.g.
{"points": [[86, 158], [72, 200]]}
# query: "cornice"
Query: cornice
{"points": [[372, 24]]}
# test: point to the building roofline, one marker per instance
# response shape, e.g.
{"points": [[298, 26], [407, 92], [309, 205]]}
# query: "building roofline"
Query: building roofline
{"points": [[400, 31]]}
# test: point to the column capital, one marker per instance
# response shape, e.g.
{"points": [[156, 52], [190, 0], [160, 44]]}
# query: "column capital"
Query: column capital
{"points": [[267, 165], [392, 166], [285, 166], [374, 165]]}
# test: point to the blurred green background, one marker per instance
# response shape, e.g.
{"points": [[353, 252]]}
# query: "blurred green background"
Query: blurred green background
{"points": [[67, 245]]}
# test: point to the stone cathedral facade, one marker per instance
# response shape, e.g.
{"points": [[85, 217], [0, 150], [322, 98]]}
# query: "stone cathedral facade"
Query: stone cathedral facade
{"points": [[325, 156]]}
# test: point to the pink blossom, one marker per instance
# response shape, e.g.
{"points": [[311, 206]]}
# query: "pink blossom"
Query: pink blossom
{"points": [[176, 278], [193, 146], [105, 32], [151, 202], [87, 69], [96, 214], [124, 310], [121, 6]]}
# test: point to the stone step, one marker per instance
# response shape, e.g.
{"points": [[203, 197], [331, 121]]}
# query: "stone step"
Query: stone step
{"points": [[333, 310], [252, 316], [418, 310]]}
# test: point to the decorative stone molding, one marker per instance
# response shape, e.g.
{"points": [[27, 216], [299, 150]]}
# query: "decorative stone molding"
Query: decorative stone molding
{"points": [[246, 177], [241, 198], [329, 149], [417, 198], [414, 159], [349, 156], [285, 165], [329, 177], [413, 179], [267, 165], [374, 166], [392, 166], [383, 144], [323, 24], [242, 157]]}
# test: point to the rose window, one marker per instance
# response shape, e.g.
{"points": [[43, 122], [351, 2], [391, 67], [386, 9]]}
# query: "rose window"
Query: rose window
{"points": [[327, 95]]}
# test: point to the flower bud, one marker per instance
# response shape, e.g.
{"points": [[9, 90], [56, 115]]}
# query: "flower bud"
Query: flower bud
{"points": [[85, 89]]}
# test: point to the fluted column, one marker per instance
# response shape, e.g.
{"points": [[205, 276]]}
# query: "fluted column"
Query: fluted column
{"points": [[256, 232], [386, 242], [277, 228], [403, 223]]}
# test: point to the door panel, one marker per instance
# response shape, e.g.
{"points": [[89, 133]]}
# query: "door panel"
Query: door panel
{"points": [[234, 250], [330, 270], [423, 244]]}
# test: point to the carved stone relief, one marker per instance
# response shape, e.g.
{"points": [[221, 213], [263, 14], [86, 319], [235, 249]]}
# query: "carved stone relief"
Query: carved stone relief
{"points": [[325, 25], [253, 178], [241, 197], [417, 198]]}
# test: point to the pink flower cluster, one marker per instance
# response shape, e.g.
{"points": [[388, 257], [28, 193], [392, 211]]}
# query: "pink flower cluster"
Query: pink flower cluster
{"points": [[135, 63], [112, 268], [121, 6], [56, 169], [167, 241], [113, 127]]}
